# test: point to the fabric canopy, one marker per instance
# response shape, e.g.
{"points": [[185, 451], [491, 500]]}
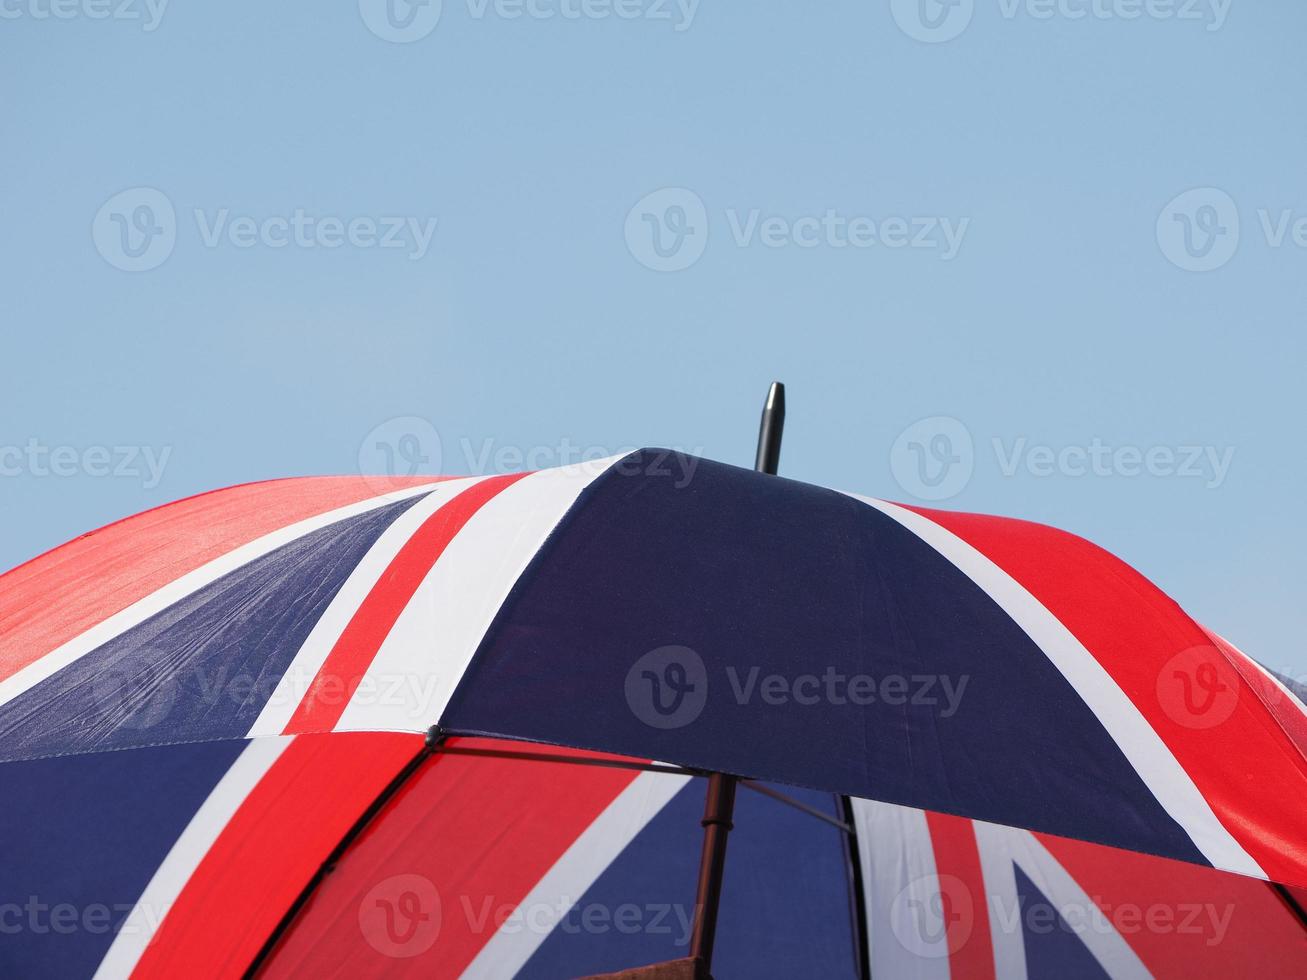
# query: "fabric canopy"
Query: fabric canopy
{"points": [[661, 606]]}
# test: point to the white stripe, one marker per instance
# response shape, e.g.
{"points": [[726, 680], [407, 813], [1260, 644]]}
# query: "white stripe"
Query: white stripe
{"points": [[143, 921], [177, 590], [422, 659], [1002, 905], [905, 925], [553, 897], [299, 676], [1001, 849], [1136, 738]]}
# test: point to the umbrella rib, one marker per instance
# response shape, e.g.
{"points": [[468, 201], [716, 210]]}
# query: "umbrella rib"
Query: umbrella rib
{"points": [[569, 760], [1291, 902], [329, 865], [812, 811]]}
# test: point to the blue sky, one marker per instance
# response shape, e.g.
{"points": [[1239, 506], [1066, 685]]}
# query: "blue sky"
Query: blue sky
{"points": [[246, 240]]}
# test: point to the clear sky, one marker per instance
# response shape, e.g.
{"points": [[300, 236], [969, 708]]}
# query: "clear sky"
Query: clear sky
{"points": [[246, 240]]}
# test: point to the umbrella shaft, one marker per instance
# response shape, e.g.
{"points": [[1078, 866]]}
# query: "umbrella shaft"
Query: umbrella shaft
{"points": [[718, 811]]}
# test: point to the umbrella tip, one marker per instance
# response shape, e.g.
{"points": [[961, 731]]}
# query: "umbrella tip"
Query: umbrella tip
{"points": [[770, 429], [776, 396]]}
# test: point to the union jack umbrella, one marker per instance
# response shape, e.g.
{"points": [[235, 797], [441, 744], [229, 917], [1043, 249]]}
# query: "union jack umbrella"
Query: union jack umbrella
{"points": [[499, 658]]}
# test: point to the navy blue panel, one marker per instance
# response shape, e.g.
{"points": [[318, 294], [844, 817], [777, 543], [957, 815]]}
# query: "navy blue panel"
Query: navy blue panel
{"points": [[786, 908], [1053, 950], [203, 668], [80, 837], [767, 578]]}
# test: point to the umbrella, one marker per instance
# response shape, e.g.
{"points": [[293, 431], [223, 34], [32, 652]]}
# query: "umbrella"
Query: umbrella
{"points": [[659, 606]]}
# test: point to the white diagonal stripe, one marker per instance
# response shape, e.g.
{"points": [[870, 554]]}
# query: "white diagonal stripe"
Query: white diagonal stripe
{"points": [[299, 676], [141, 924], [424, 656], [1165, 778], [1003, 848], [178, 589], [553, 896]]}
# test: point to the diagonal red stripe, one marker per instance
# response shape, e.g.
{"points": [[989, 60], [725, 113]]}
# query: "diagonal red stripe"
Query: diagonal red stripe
{"points": [[268, 852], [962, 890], [338, 678]]}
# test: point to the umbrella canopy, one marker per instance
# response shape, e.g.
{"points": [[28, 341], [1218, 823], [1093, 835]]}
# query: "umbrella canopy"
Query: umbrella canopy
{"points": [[369, 855], [661, 606]]}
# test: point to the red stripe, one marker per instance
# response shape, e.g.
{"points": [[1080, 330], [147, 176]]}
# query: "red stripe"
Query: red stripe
{"points": [[63, 593], [962, 892], [1183, 920], [1241, 759], [336, 681], [268, 852], [448, 860]]}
